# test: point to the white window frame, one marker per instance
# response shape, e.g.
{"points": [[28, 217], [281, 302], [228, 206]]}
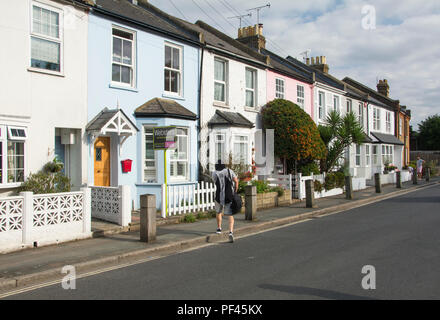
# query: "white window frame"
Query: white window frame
{"points": [[176, 177], [358, 150], [247, 142], [253, 90], [225, 82], [11, 137], [321, 105], [179, 71], [388, 122], [217, 141], [367, 155], [5, 138], [349, 105], [144, 155], [361, 113], [376, 149], [59, 40], [279, 88], [387, 154], [300, 96], [132, 83], [400, 126], [336, 103], [376, 119]]}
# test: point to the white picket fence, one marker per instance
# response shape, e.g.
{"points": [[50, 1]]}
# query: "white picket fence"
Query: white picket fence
{"points": [[182, 199], [33, 220], [284, 181], [112, 204], [301, 183]]}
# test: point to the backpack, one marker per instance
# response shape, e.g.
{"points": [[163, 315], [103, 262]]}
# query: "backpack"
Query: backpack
{"points": [[229, 193], [237, 202]]}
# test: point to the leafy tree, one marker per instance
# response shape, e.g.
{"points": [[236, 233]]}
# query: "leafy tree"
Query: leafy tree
{"points": [[429, 133], [296, 136], [338, 133]]}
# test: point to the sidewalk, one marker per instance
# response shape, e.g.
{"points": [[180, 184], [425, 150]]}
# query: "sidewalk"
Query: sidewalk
{"points": [[31, 266]]}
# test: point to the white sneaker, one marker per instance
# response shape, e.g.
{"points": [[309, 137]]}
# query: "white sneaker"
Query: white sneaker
{"points": [[231, 237]]}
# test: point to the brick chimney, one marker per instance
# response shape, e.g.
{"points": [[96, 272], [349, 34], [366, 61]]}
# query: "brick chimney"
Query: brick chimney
{"points": [[252, 36], [383, 88], [319, 64]]}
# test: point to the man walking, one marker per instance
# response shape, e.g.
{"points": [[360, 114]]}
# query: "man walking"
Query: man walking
{"points": [[420, 163], [226, 182]]}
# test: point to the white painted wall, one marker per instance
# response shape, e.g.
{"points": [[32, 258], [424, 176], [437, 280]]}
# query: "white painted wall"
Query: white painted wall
{"points": [[41, 101], [235, 102]]}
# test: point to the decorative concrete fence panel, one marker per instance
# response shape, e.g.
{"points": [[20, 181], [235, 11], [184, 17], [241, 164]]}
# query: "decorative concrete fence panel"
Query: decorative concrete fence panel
{"points": [[112, 204], [188, 198], [359, 184], [35, 220], [302, 183], [329, 193]]}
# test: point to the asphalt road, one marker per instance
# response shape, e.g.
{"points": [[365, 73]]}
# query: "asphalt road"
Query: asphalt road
{"points": [[317, 259]]}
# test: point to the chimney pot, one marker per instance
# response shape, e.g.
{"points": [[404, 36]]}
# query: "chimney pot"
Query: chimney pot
{"points": [[313, 61], [308, 61]]}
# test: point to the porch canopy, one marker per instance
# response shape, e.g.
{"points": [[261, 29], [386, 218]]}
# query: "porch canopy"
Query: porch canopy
{"points": [[231, 119], [164, 108], [383, 138], [111, 121]]}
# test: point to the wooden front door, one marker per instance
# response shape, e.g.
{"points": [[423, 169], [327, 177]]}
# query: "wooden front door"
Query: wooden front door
{"points": [[102, 162]]}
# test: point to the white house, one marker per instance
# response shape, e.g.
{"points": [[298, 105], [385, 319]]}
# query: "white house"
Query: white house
{"points": [[233, 90], [43, 99]]}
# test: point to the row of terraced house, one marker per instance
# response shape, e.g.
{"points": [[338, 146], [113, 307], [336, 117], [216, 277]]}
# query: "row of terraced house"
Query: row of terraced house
{"points": [[85, 81]]}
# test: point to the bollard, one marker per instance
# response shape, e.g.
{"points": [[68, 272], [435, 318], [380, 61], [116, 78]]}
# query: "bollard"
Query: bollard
{"points": [[250, 193], [377, 183], [428, 174], [310, 194], [349, 188], [398, 180], [414, 177], [148, 218]]}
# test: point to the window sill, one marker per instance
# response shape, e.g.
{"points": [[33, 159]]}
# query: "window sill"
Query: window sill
{"points": [[170, 95], [251, 109], [48, 72], [9, 185], [221, 105], [120, 87]]}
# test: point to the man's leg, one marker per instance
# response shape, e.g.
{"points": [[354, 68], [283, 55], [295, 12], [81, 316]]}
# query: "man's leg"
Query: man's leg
{"points": [[219, 220], [231, 223]]}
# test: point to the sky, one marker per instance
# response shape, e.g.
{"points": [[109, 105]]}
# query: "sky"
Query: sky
{"points": [[397, 40]]}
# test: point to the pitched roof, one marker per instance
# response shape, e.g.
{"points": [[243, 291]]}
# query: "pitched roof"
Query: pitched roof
{"points": [[233, 119], [143, 14], [387, 138], [167, 108], [103, 118]]}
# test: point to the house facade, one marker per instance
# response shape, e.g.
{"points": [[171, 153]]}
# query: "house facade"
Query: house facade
{"points": [[43, 117], [144, 72], [233, 91]]}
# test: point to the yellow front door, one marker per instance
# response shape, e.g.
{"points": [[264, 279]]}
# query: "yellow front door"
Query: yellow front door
{"points": [[102, 162]]}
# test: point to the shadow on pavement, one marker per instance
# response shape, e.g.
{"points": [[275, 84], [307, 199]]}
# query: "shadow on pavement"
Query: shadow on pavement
{"points": [[320, 293]]}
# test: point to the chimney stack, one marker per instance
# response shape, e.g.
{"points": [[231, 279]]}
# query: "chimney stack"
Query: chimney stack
{"points": [[252, 36], [383, 88], [320, 64]]}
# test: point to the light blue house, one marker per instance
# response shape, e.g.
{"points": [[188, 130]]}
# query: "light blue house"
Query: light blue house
{"points": [[143, 72]]}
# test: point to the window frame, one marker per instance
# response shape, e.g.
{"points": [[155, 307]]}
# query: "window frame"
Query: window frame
{"points": [[282, 84], [321, 105], [247, 143], [349, 105], [336, 103], [225, 82], [144, 154], [361, 113], [301, 100], [4, 144], [358, 149], [179, 92], [367, 155], [59, 40], [177, 178], [133, 67], [388, 121], [376, 119], [216, 141], [375, 155], [253, 90]]}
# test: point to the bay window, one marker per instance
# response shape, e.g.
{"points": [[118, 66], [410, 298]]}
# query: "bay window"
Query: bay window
{"points": [[300, 96], [220, 150], [46, 38], [220, 80], [279, 88], [387, 154], [173, 69], [251, 86], [149, 156], [241, 149], [358, 155], [179, 157], [375, 155], [367, 155], [123, 60]]}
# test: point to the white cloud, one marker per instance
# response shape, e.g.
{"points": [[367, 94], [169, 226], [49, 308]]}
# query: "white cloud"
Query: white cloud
{"points": [[404, 48]]}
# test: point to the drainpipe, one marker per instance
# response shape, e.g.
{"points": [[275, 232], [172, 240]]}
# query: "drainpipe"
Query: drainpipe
{"points": [[200, 108]]}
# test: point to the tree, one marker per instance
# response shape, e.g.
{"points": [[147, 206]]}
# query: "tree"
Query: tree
{"points": [[429, 133], [339, 133], [296, 135]]}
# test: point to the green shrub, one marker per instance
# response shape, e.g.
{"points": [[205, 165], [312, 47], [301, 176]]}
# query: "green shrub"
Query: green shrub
{"points": [[433, 166], [278, 190], [340, 179], [317, 186], [241, 185], [42, 183], [330, 182], [189, 218], [309, 168], [262, 186]]}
